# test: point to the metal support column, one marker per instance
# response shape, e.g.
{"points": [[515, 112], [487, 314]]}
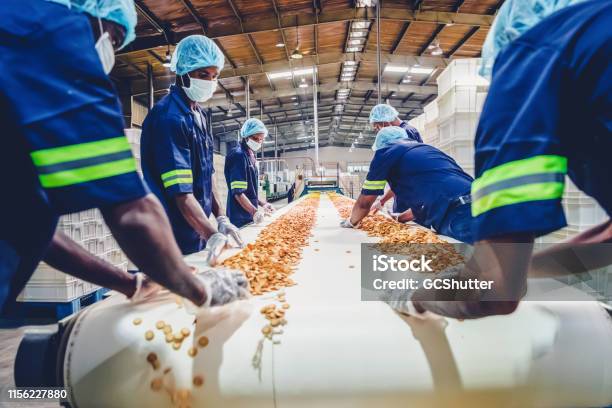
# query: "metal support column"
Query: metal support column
{"points": [[378, 51], [315, 103], [151, 89], [247, 96]]}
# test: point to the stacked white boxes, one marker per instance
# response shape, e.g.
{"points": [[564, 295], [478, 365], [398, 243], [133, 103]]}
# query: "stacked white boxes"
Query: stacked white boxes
{"points": [[88, 229], [461, 95], [430, 132]]}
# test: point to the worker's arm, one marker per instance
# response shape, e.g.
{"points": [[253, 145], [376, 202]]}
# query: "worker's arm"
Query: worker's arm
{"points": [[194, 214], [581, 253], [406, 216], [68, 256], [217, 208], [389, 194], [143, 231], [501, 260], [245, 203], [361, 208]]}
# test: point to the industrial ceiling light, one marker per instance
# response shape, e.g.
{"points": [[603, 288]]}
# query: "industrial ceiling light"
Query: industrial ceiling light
{"points": [[289, 74], [230, 112], [297, 54], [280, 44], [435, 48], [360, 24], [168, 58], [420, 70], [303, 83], [366, 3], [349, 62], [352, 49], [357, 34], [396, 69]]}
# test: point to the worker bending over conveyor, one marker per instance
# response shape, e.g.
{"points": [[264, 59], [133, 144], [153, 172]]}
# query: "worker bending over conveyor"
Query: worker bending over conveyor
{"points": [[429, 185], [66, 153], [384, 115], [241, 175], [177, 151], [548, 114]]}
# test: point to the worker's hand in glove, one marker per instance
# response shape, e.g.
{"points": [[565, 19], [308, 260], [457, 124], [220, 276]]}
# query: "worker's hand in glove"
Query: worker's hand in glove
{"points": [[230, 230], [215, 245], [258, 217], [222, 286], [145, 289], [376, 206], [401, 300], [268, 208], [347, 223]]}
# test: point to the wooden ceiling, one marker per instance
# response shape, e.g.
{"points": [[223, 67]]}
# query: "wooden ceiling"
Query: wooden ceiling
{"points": [[250, 33]]}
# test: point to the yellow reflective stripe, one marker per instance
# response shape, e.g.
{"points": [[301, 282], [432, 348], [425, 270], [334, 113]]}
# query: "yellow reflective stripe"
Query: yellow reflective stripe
{"points": [[178, 172], [55, 155], [374, 184], [518, 168], [89, 173], [517, 195], [180, 180], [238, 184]]}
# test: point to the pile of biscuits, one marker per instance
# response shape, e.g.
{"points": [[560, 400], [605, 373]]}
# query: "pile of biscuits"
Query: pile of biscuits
{"points": [[270, 260]]}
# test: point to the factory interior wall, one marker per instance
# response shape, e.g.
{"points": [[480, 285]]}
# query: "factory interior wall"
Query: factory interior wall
{"points": [[328, 155]]}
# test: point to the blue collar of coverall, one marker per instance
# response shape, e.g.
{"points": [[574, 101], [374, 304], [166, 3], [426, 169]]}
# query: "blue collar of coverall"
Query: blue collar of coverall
{"points": [[181, 99]]}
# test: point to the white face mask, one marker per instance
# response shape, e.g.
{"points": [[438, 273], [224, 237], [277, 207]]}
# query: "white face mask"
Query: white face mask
{"points": [[106, 53], [200, 90], [253, 145]]}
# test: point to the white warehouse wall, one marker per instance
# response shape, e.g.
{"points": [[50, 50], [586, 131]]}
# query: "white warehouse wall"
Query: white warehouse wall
{"points": [[329, 155]]}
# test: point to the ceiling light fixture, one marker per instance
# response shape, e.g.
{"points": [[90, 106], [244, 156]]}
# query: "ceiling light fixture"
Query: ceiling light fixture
{"points": [[297, 54], [435, 48], [168, 59], [396, 69], [280, 45]]}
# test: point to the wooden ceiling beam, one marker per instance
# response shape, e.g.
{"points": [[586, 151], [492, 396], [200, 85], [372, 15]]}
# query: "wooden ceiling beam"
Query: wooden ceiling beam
{"points": [[266, 24], [462, 41], [401, 37], [432, 37]]}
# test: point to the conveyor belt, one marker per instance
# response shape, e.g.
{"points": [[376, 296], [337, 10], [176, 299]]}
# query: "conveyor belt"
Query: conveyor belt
{"points": [[339, 351]]}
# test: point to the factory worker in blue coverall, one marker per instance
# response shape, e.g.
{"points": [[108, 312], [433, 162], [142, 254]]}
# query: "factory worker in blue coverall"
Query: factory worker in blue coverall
{"points": [[381, 116], [177, 151], [65, 152], [548, 114], [241, 175], [429, 185]]}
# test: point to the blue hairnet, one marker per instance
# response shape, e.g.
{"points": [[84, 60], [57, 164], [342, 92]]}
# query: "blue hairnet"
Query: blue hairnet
{"points": [[62, 2], [253, 126], [387, 136], [121, 12], [195, 52], [514, 18], [383, 113]]}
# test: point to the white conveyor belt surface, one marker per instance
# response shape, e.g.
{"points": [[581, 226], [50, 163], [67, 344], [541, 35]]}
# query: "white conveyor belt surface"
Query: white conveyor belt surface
{"points": [[337, 350]]}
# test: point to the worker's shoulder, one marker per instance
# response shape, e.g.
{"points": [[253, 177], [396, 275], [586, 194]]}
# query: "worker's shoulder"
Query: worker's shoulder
{"points": [[585, 23], [236, 153]]}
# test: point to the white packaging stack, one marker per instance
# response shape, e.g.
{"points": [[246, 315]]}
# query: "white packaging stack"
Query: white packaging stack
{"points": [[88, 229], [460, 72], [219, 175], [133, 136], [431, 133]]}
